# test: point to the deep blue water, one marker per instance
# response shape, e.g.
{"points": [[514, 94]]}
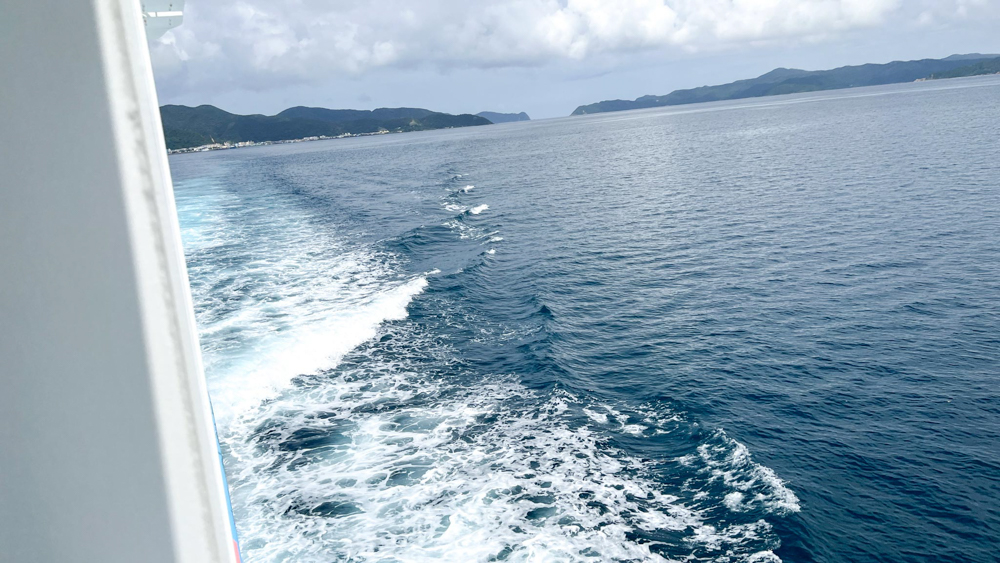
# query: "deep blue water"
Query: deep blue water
{"points": [[738, 331]]}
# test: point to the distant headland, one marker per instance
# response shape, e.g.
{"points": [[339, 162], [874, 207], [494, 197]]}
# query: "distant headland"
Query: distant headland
{"points": [[791, 81], [504, 117], [195, 129]]}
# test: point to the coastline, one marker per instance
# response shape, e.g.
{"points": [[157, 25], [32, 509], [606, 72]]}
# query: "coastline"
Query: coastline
{"points": [[243, 144]]}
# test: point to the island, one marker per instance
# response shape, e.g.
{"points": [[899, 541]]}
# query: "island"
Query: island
{"points": [[791, 81], [207, 127]]}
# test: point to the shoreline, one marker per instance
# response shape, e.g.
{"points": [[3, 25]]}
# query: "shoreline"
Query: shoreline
{"points": [[243, 144]]}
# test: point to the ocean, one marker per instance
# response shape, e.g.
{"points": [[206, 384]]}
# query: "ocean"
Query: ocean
{"points": [[754, 330]]}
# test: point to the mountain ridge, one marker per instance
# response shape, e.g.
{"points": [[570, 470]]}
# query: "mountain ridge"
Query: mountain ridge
{"points": [[791, 81], [979, 68], [186, 127]]}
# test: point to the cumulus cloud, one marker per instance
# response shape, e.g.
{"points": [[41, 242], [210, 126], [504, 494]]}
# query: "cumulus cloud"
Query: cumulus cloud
{"points": [[256, 44]]}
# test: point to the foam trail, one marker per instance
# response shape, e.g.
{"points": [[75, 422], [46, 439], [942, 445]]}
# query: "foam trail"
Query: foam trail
{"points": [[383, 464], [277, 295], [307, 349], [348, 437]]}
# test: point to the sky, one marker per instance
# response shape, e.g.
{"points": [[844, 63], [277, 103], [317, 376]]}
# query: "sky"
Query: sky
{"points": [[544, 57]]}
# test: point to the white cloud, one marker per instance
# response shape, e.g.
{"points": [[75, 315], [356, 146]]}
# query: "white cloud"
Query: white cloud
{"points": [[257, 44]]}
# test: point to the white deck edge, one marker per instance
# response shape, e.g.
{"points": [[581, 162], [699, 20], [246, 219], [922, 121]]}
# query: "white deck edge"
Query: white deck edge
{"points": [[108, 450], [196, 493]]}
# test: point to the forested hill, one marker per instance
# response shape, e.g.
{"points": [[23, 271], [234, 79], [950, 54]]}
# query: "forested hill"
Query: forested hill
{"points": [[504, 117], [989, 66], [790, 81], [185, 126]]}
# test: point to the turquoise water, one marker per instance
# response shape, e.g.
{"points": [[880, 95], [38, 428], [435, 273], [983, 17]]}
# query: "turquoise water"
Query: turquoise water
{"points": [[742, 331]]}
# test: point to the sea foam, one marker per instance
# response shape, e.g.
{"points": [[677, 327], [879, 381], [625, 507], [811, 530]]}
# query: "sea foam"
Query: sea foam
{"points": [[380, 462], [310, 345], [342, 441]]}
